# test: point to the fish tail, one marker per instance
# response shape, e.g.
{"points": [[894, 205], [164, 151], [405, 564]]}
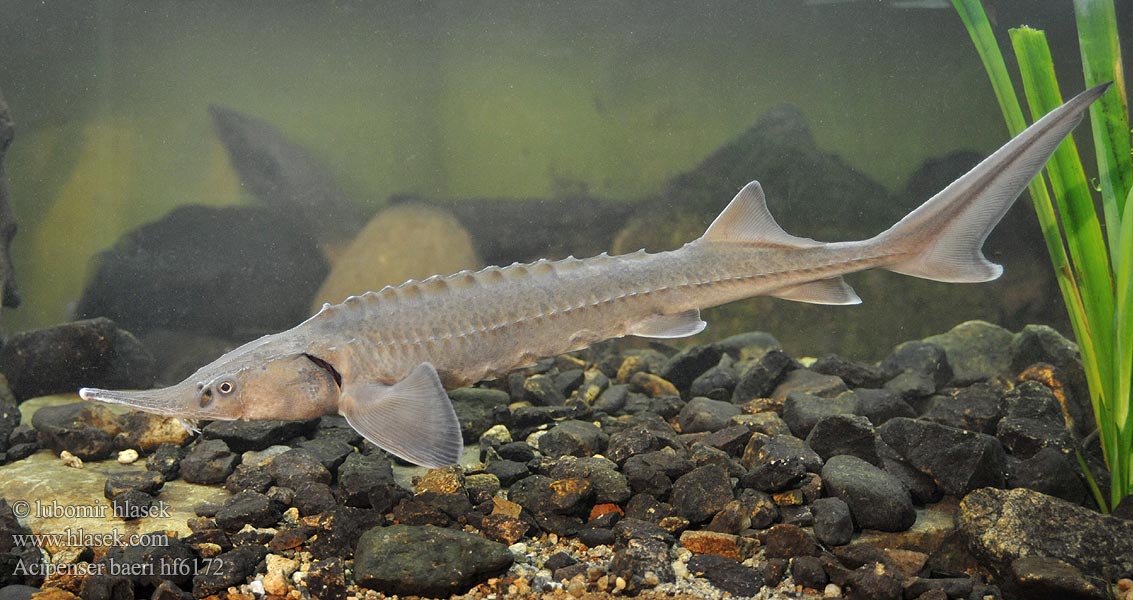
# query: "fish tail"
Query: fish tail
{"points": [[942, 239]]}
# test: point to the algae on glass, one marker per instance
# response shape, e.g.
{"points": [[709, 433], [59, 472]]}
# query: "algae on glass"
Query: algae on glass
{"points": [[1094, 271]]}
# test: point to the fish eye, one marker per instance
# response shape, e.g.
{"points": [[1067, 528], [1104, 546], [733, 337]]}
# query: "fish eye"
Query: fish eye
{"points": [[226, 387]]}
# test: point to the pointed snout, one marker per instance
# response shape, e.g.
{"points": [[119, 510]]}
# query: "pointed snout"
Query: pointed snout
{"points": [[175, 401]]}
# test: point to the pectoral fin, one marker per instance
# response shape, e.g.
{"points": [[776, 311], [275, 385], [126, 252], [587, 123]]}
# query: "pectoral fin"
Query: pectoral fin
{"points": [[412, 419], [682, 324]]}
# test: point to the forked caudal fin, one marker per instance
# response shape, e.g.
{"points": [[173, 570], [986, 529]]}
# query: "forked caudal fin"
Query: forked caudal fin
{"points": [[412, 419], [941, 239]]}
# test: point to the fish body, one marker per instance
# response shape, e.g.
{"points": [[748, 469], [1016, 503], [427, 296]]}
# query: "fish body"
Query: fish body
{"points": [[383, 359]]}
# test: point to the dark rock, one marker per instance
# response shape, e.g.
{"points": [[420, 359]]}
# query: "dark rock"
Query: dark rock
{"points": [[612, 400], [919, 357], [361, 475], [767, 423], [12, 553], [1051, 472], [596, 536], [1034, 421], [502, 528], [761, 508], [730, 439], [84, 429], [748, 345], [701, 493], [717, 383], [517, 451], [855, 374], [666, 407], [978, 408], [881, 405], [167, 461], [525, 418], [844, 434], [912, 385], [208, 462], [1044, 578], [1042, 344], [108, 586], [508, 471], [787, 541], [1002, 526], [761, 377], [808, 572], [9, 415], [608, 484], [685, 366], [870, 582], [639, 439], [796, 515], [63, 358], [877, 500], [427, 561], [247, 508], [805, 381], [802, 411], [653, 472], [642, 564], [972, 460], [20, 452], [326, 579], [726, 574], [240, 254], [148, 482], [976, 351], [922, 487], [774, 570], [541, 390], [475, 409], [228, 569], [647, 508], [704, 414], [17, 592], [833, 524], [949, 587], [776, 463], [417, 510], [247, 478], [294, 467], [340, 528], [313, 497], [573, 438], [327, 450], [242, 436], [540, 494], [134, 504]]}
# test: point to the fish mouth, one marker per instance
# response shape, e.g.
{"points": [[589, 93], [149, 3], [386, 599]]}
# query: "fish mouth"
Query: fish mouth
{"points": [[167, 402]]}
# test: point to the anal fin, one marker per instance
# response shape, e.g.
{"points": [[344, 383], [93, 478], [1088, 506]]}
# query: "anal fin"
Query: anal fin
{"points": [[834, 290], [412, 419], [682, 324]]}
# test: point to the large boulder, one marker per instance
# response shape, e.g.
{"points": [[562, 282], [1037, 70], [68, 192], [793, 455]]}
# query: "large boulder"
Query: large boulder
{"points": [[235, 272]]}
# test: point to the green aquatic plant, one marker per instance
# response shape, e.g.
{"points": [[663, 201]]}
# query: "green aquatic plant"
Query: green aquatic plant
{"points": [[1094, 270]]}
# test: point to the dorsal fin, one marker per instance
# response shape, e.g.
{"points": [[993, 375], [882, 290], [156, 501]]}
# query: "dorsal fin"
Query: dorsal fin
{"points": [[746, 219]]}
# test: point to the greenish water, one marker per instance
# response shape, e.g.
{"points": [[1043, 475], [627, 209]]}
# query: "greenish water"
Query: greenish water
{"points": [[454, 100]]}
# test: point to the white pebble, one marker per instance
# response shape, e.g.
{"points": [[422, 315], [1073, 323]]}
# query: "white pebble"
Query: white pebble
{"points": [[127, 456], [832, 591], [70, 460], [257, 588]]}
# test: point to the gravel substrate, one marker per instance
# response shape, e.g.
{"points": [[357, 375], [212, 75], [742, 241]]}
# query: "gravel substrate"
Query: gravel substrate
{"points": [[732, 469]]}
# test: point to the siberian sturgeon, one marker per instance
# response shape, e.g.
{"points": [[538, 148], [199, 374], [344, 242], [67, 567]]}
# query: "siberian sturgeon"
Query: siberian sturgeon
{"points": [[384, 359]]}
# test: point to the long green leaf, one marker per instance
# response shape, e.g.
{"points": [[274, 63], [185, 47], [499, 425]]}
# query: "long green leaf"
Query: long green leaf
{"points": [[1109, 116], [1123, 355], [1088, 249]]}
